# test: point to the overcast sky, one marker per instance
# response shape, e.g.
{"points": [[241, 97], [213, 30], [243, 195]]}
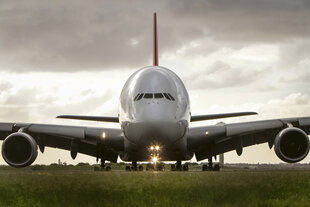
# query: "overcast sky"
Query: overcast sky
{"points": [[73, 57]]}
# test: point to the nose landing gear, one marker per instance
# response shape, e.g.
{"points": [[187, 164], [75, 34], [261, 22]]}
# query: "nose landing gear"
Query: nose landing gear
{"points": [[134, 167]]}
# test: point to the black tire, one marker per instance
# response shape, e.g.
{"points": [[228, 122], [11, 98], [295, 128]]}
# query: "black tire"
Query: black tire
{"points": [[140, 168], [161, 167], [216, 167], [96, 169], [108, 168], [204, 167], [128, 168], [172, 167], [185, 167], [149, 167]]}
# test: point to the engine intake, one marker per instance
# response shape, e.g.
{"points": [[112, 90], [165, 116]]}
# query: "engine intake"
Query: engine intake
{"points": [[291, 145], [19, 149]]}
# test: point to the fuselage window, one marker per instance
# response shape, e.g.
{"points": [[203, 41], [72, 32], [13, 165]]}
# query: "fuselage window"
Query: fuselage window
{"points": [[167, 97], [171, 97], [135, 99], [148, 95], [158, 95]]}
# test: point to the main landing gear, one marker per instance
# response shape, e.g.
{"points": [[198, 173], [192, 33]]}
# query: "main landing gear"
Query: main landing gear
{"points": [[103, 167], [134, 167], [179, 167], [210, 166]]}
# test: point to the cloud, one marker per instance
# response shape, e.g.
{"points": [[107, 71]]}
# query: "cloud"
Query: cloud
{"points": [[222, 75], [35, 105], [76, 35], [5, 87]]}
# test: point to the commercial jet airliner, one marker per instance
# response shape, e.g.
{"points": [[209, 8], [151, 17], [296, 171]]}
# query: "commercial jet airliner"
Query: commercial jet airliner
{"points": [[154, 116]]}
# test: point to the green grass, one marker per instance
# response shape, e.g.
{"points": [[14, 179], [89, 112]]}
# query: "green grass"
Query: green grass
{"points": [[117, 188]]}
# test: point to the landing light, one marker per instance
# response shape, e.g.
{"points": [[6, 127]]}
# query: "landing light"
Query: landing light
{"points": [[157, 148], [151, 148], [154, 159], [206, 132], [103, 135]]}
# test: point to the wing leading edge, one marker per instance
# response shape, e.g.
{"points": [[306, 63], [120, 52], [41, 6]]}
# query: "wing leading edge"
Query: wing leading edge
{"points": [[220, 116], [90, 118]]}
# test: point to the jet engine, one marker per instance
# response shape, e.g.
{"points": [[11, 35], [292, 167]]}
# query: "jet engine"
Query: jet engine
{"points": [[19, 149], [291, 145]]}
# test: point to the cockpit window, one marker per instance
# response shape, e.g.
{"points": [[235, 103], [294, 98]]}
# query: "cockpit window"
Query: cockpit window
{"points": [[167, 97], [135, 99], [158, 95], [148, 95], [171, 97], [139, 96]]}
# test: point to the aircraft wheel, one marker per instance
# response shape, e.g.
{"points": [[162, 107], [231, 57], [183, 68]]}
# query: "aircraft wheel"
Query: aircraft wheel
{"points": [[128, 168], [204, 167], [108, 168], [185, 167], [140, 168], [172, 167], [216, 167], [161, 167], [149, 167]]}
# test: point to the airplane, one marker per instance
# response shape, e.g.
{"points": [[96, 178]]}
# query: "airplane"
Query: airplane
{"points": [[154, 116]]}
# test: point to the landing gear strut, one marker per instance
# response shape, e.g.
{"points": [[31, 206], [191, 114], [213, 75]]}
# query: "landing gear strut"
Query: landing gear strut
{"points": [[179, 165], [134, 166]]}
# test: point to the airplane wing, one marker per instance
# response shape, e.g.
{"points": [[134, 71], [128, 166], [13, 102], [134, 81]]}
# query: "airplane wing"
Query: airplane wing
{"points": [[284, 134], [90, 118], [104, 143], [220, 116]]}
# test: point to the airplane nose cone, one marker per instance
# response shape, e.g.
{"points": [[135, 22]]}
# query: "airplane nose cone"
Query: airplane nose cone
{"points": [[155, 111], [147, 133]]}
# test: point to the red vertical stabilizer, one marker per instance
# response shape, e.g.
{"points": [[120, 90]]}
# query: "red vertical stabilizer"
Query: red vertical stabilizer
{"points": [[155, 60]]}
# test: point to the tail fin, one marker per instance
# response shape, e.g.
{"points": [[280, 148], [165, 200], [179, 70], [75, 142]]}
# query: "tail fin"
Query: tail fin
{"points": [[155, 52]]}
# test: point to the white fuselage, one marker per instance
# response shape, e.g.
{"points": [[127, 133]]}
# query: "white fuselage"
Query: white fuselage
{"points": [[154, 108]]}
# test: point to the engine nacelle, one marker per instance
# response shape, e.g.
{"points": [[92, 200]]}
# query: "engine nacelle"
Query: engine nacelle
{"points": [[19, 149], [291, 145]]}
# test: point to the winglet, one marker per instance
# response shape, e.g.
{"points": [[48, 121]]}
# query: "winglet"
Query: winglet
{"points": [[155, 40]]}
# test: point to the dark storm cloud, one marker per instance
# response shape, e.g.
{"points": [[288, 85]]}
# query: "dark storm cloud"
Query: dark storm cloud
{"points": [[75, 35]]}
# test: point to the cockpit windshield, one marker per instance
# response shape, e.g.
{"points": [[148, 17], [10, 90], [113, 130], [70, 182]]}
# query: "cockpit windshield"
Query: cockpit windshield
{"points": [[154, 95]]}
